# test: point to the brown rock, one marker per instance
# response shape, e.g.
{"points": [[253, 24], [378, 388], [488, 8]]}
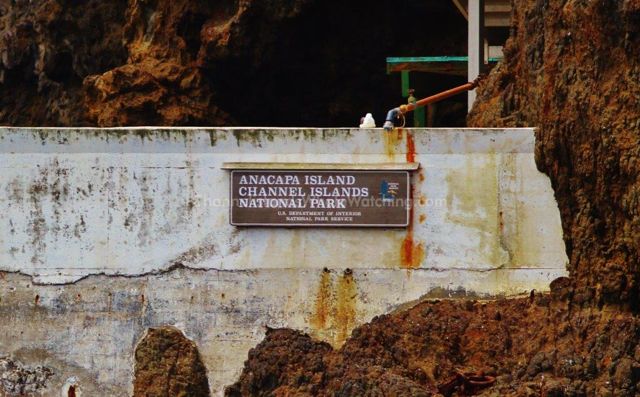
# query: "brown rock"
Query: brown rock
{"points": [[285, 361], [418, 351], [572, 69], [161, 83], [169, 365], [43, 59], [180, 62]]}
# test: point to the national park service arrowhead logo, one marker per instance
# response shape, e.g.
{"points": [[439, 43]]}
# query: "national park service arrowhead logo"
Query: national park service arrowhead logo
{"points": [[389, 190]]}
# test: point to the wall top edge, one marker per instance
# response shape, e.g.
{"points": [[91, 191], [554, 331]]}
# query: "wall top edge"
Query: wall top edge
{"points": [[257, 128]]}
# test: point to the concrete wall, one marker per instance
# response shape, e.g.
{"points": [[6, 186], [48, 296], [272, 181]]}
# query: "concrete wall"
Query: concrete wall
{"points": [[106, 232]]}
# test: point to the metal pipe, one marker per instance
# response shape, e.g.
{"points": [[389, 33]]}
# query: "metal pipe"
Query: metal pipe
{"points": [[392, 115], [395, 113]]}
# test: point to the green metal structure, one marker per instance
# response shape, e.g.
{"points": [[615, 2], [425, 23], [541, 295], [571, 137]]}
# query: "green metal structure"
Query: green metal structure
{"points": [[456, 66]]}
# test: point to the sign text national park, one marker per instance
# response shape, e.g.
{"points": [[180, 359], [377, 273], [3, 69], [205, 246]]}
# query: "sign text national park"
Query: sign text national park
{"points": [[320, 198]]}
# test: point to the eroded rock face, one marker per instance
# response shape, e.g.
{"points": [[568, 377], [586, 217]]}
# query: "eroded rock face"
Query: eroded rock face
{"points": [[247, 62], [111, 63], [572, 68], [285, 357], [532, 346], [160, 83], [43, 58], [167, 365]]}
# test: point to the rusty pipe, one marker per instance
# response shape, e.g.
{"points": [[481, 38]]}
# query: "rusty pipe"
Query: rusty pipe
{"points": [[395, 113], [437, 97]]}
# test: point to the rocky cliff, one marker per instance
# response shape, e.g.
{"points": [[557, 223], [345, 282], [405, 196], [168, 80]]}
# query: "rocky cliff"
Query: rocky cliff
{"points": [[572, 68], [514, 347], [159, 62], [112, 63]]}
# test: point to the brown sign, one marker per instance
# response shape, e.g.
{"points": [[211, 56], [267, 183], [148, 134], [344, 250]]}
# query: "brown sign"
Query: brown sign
{"points": [[319, 198]]}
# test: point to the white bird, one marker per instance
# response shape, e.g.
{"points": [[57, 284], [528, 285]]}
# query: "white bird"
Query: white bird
{"points": [[368, 121]]}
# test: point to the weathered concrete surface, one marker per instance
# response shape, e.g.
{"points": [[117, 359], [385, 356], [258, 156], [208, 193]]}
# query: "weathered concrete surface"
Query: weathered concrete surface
{"points": [[119, 207], [80, 202]]}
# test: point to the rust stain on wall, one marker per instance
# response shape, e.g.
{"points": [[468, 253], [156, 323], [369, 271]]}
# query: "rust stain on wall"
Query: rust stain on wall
{"points": [[392, 140], [411, 148], [345, 316], [334, 314], [411, 251], [323, 305]]}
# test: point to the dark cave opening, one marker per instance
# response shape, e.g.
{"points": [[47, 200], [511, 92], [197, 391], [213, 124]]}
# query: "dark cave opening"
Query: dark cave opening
{"points": [[326, 67]]}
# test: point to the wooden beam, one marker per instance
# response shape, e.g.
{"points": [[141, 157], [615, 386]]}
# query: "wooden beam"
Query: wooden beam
{"points": [[497, 8], [461, 5], [497, 19]]}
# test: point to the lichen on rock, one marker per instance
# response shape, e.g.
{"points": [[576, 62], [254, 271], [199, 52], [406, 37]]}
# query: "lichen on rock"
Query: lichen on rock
{"points": [[17, 379], [167, 364]]}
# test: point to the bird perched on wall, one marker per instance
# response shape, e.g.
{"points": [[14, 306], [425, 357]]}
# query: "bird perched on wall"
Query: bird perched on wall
{"points": [[368, 121]]}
